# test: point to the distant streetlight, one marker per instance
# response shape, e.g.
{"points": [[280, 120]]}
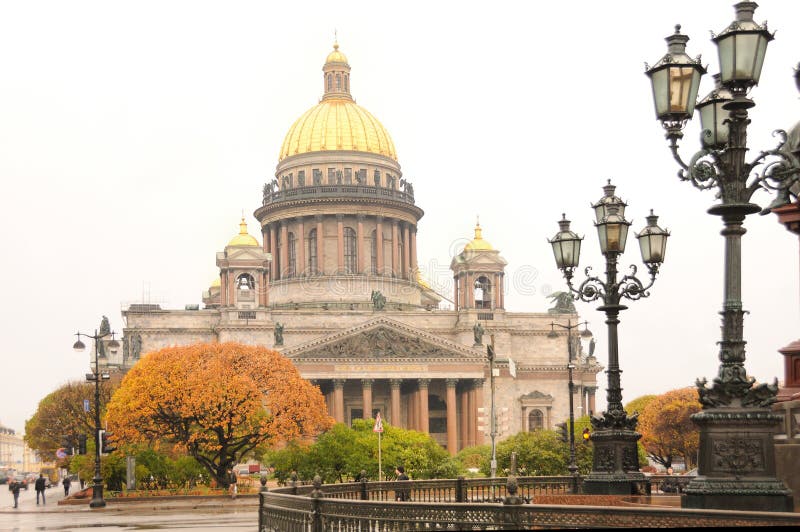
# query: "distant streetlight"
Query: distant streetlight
{"points": [[97, 490], [585, 333]]}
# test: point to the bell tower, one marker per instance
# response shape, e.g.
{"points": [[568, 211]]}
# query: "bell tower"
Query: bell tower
{"points": [[478, 276]]}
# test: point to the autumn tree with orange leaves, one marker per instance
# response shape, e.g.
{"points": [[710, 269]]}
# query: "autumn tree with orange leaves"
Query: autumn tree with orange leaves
{"points": [[667, 430], [217, 402]]}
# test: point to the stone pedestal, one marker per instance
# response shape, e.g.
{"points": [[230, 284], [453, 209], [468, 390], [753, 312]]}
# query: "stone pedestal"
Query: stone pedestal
{"points": [[737, 462], [615, 469]]}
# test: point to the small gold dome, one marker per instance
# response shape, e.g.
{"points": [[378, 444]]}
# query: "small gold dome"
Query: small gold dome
{"points": [[478, 243], [421, 281], [243, 238], [336, 56], [216, 283]]}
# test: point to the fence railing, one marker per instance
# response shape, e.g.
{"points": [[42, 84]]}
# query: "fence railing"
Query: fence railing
{"points": [[472, 504]]}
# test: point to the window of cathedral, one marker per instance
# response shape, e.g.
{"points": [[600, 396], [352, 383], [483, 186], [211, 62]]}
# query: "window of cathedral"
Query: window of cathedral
{"points": [[245, 282], [535, 420], [312, 252], [277, 255], [330, 82], [483, 292], [331, 176], [347, 82], [350, 251], [348, 176], [291, 269], [338, 81], [373, 252]]}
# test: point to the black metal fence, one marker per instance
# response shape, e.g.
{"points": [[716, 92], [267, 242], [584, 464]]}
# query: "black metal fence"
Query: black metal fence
{"points": [[475, 504]]}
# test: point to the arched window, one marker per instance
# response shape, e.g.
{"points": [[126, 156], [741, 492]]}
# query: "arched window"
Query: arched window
{"points": [[535, 420], [373, 252], [245, 282], [312, 252], [330, 82], [350, 251], [277, 256], [291, 269], [346, 82], [338, 82], [483, 292]]}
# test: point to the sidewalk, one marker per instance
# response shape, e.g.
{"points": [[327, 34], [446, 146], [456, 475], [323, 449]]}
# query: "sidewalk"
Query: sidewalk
{"points": [[27, 503]]}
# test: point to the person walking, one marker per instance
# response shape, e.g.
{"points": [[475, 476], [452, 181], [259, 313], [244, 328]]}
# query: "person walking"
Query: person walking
{"points": [[66, 482], [40, 486], [401, 494], [14, 486], [233, 481]]}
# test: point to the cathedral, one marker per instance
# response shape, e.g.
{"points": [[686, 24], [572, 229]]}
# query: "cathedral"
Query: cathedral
{"points": [[334, 286]]}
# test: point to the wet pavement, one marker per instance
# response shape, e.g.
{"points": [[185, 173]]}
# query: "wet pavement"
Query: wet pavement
{"points": [[212, 514]]}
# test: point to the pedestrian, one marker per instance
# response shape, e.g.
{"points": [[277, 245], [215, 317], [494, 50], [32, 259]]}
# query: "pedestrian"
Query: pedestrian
{"points": [[401, 494], [14, 487], [233, 481], [40, 487], [66, 482], [669, 470]]}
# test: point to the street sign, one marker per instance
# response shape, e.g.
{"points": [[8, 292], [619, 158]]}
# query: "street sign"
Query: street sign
{"points": [[85, 405], [61, 453], [378, 423]]}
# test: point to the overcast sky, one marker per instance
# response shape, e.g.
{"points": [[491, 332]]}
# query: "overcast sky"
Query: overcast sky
{"points": [[133, 135]]}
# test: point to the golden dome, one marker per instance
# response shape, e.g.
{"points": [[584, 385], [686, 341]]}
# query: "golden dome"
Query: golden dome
{"points": [[337, 122], [478, 243], [336, 56], [243, 238], [216, 283], [421, 281]]}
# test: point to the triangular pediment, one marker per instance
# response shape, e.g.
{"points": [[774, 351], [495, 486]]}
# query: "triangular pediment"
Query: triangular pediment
{"points": [[383, 339], [247, 254]]}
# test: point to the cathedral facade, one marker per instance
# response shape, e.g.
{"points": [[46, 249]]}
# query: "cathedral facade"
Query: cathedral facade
{"points": [[334, 286]]}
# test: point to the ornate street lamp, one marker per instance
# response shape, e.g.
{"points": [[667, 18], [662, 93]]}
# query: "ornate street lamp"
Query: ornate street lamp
{"points": [[585, 333], [615, 468], [736, 458], [97, 489]]}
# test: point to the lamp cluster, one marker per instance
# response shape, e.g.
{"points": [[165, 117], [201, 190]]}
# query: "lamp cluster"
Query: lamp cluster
{"points": [[612, 232]]}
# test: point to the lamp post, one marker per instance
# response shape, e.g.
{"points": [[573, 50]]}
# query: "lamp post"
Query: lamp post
{"points": [[586, 333], [97, 490], [493, 421], [736, 460], [615, 467]]}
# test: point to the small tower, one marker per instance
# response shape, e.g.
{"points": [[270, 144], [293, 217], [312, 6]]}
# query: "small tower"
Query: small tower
{"points": [[243, 272], [478, 273]]}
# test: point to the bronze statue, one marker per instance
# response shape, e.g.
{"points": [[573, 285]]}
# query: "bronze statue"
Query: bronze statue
{"points": [[378, 300], [477, 333], [563, 303]]}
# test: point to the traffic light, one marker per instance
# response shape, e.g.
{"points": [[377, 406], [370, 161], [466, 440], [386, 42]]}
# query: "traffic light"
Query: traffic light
{"points": [[563, 435], [106, 446], [68, 444], [586, 435], [82, 444]]}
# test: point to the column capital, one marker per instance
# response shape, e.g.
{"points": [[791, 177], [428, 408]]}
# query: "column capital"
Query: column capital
{"points": [[395, 383], [339, 383], [360, 217], [367, 383], [339, 217], [451, 383], [379, 218], [423, 383], [319, 217], [478, 383]]}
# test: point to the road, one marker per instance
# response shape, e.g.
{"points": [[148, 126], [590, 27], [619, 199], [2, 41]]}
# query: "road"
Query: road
{"points": [[205, 515]]}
